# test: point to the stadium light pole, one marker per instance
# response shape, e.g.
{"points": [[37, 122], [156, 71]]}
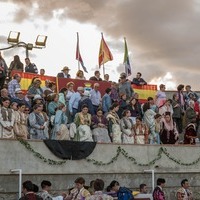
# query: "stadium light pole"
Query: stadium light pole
{"points": [[13, 40]]}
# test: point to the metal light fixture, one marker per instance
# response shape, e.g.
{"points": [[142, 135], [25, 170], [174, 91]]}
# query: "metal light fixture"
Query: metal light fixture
{"points": [[41, 40], [13, 37]]}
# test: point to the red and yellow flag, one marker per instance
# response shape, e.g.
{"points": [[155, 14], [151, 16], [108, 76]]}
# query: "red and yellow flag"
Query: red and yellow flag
{"points": [[104, 53]]}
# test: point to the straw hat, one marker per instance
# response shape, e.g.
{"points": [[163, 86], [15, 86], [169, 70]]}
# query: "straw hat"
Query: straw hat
{"points": [[65, 68]]}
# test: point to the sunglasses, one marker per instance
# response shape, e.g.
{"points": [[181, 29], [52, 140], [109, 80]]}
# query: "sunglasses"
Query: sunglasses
{"points": [[27, 110]]}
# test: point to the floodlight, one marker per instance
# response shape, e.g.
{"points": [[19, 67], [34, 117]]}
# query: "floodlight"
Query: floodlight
{"points": [[29, 46], [13, 37], [41, 40]]}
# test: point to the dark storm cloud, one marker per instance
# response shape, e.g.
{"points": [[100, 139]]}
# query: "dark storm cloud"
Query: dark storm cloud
{"points": [[165, 34]]}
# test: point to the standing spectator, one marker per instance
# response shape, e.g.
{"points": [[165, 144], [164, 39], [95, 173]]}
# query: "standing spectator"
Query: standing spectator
{"points": [[114, 128], [80, 75], [28, 191], [190, 114], [15, 65], [74, 101], [160, 96], [114, 92], [106, 77], [127, 128], [30, 67], [169, 133], [125, 86], [106, 101], [122, 104], [177, 113], [37, 123], [6, 120], [64, 73], [13, 85], [3, 71], [96, 76], [141, 132], [158, 193], [138, 80], [184, 192], [181, 99], [95, 97], [42, 72]]}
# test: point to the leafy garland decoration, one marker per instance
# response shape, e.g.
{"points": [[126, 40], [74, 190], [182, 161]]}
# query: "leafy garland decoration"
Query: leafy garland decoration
{"points": [[119, 151], [38, 155]]}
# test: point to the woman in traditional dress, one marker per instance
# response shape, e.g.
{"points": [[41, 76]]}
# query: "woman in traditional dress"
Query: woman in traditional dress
{"points": [[20, 125], [122, 104], [169, 133], [52, 106], [166, 107], [114, 128], [127, 128], [83, 122], [6, 120], [100, 127], [37, 123], [141, 132], [60, 130]]}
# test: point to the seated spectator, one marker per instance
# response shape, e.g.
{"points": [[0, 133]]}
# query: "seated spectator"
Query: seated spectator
{"points": [[20, 98], [52, 106], [13, 85], [122, 104], [30, 67], [127, 128], [188, 94], [6, 120], [4, 93], [190, 134], [169, 133], [46, 87], [83, 122], [15, 65], [35, 89], [152, 104], [20, 125], [138, 80], [166, 107], [114, 128], [64, 73], [42, 72], [85, 100], [27, 190], [98, 194], [114, 92], [37, 123], [96, 76], [106, 77], [141, 132], [60, 130], [100, 127], [46, 187], [190, 114], [50, 90], [80, 75], [106, 101]]}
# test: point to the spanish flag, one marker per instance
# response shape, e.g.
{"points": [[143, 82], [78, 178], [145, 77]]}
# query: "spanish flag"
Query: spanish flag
{"points": [[104, 52]]}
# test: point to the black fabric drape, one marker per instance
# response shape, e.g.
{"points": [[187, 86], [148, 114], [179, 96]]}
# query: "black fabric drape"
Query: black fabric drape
{"points": [[70, 149]]}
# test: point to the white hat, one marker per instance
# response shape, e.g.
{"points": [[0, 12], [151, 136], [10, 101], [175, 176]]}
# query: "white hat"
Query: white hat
{"points": [[80, 89], [86, 93], [18, 90], [37, 96]]}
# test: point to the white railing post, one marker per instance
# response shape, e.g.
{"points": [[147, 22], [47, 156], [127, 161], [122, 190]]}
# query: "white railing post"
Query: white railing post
{"points": [[152, 177], [20, 179]]}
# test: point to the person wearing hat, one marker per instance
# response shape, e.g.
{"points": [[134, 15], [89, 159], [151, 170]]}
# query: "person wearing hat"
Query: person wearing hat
{"points": [[125, 86], [20, 98], [64, 73], [13, 85]]}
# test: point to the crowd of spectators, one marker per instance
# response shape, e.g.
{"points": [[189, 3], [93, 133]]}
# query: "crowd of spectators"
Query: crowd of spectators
{"points": [[117, 116]]}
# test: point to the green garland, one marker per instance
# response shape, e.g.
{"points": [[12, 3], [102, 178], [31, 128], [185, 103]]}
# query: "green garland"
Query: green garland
{"points": [[119, 151], [38, 155]]}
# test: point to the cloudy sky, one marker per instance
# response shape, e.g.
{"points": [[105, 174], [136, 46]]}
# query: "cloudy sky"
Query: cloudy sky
{"points": [[163, 36]]}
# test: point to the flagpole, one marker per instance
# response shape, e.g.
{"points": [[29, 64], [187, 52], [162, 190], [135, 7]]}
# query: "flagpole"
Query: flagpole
{"points": [[103, 55], [78, 50], [124, 51]]}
